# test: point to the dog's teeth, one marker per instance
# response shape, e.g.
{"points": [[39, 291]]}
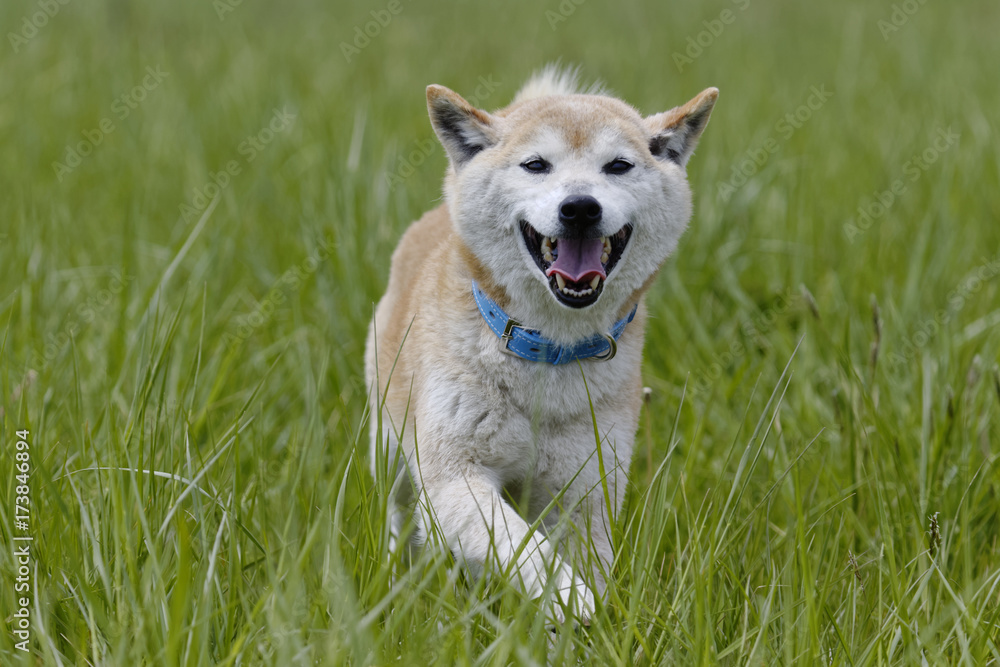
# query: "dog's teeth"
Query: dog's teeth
{"points": [[595, 282], [604, 258], [587, 291], [607, 245], [547, 246]]}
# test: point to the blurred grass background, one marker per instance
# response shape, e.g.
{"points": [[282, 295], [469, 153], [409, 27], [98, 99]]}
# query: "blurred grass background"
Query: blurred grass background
{"points": [[146, 329]]}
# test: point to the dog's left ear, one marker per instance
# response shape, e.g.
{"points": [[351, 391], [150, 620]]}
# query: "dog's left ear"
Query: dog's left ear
{"points": [[674, 133], [462, 129]]}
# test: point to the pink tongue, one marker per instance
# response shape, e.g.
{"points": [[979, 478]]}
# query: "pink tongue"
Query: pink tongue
{"points": [[578, 260]]}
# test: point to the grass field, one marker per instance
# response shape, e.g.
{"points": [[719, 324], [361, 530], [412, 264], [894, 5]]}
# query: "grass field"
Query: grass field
{"points": [[198, 201]]}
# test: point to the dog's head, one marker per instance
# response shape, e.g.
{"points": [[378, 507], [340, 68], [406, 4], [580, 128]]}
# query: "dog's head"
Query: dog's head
{"points": [[569, 202]]}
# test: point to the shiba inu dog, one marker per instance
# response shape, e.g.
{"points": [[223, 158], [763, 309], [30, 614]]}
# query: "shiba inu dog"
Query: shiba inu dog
{"points": [[504, 358]]}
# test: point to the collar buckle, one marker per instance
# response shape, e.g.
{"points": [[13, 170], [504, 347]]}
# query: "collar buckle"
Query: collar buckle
{"points": [[508, 335]]}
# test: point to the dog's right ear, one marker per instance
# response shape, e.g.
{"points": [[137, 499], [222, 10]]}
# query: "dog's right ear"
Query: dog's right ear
{"points": [[462, 129]]}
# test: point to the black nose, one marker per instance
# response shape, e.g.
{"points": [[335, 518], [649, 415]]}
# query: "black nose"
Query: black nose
{"points": [[579, 211]]}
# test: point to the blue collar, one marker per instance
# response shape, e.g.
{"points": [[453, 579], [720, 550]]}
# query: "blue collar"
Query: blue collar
{"points": [[529, 344]]}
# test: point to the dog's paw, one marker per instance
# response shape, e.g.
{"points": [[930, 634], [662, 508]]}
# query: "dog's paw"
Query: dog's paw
{"points": [[570, 594]]}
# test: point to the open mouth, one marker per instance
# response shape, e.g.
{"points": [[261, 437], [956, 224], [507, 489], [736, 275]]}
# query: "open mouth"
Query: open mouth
{"points": [[576, 268]]}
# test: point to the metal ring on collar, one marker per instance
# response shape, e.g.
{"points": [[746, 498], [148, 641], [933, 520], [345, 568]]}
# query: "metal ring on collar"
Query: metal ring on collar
{"points": [[612, 349]]}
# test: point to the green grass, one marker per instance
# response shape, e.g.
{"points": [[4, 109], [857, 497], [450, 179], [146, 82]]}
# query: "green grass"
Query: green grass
{"points": [[781, 505]]}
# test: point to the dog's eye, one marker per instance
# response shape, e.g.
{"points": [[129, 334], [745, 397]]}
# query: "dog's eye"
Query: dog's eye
{"points": [[536, 166], [618, 166]]}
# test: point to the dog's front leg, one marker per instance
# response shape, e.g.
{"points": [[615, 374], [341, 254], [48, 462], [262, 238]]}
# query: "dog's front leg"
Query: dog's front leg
{"points": [[483, 530]]}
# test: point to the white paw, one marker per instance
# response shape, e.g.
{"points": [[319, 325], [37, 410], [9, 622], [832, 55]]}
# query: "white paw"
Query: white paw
{"points": [[570, 594]]}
